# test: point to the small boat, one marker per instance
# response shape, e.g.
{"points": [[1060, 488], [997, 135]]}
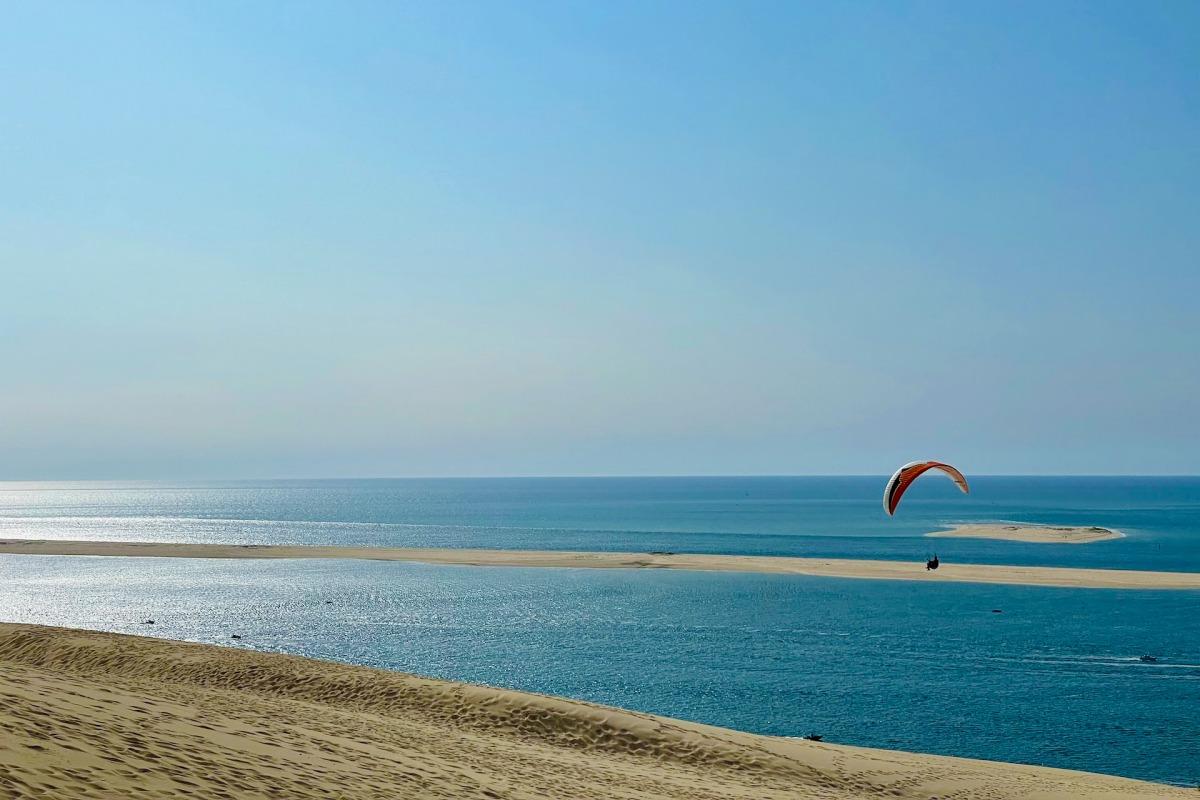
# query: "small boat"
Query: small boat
{"points": [[1148, 659]]}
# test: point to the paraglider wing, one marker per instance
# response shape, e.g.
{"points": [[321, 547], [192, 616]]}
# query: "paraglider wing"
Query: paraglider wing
{"points": [[905, 476]]}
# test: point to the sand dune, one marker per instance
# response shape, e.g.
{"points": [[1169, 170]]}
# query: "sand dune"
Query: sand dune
{"points": [[826, 567], [1042, 534], [99, 715]]}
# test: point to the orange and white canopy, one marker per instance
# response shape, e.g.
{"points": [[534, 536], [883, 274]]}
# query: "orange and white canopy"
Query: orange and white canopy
{"points": [[904, 477]]}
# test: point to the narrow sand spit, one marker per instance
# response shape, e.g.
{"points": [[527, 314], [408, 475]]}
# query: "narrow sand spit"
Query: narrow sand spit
{"points": [[1043, 534], [100, 715], [823, 567]]}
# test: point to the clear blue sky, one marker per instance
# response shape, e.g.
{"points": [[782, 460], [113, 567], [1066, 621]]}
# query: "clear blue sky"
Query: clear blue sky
{"points": [[352, 239]]}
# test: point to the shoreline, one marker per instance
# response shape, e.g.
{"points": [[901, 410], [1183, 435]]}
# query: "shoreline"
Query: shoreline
{"points": [[1067, 577], [1039, 534], [104, 714]]}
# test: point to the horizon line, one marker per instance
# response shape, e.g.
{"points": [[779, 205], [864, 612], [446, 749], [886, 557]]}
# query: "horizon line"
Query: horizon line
{"points": [[609, 476]]}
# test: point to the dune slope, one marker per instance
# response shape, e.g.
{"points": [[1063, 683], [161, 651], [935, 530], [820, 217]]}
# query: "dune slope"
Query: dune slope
{"points": [[98, 715]]}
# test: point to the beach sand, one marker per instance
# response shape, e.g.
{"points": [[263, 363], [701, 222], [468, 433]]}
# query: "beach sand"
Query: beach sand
{"points": [[100, 715], [823, 567], [1044, 534]]}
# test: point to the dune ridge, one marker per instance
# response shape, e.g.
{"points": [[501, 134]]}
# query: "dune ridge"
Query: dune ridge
{"points": [[1081, 578], [91, 715]]}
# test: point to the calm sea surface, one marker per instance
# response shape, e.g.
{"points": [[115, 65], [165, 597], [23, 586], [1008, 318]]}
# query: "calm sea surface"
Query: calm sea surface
{"points": [[1054, 679]]}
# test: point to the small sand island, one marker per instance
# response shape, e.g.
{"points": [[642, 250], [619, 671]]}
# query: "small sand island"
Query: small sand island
{"points": [[819, 567], [1042, 534], [89, 714]]}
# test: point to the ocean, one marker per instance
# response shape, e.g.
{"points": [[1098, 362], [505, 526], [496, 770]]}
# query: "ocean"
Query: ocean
{"points": [[1054, 678]]}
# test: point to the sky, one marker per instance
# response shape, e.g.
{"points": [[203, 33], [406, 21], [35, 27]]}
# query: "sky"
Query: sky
{"points": [[572, 238]]}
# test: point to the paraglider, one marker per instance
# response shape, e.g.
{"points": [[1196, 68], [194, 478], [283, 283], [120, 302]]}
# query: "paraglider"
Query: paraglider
{"points": [[905, 476]]}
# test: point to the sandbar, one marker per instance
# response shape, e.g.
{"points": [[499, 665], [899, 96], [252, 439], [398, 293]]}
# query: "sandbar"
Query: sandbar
{"points": [[822, 567], [88, 714], [1041, 534]]}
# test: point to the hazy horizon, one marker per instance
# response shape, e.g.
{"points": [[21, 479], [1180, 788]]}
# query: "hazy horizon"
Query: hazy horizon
{"points": [[663, 476], [621, 239]]}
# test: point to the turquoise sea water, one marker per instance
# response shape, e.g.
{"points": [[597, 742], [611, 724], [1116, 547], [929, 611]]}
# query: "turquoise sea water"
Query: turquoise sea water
{"points": [[1054, 679]]}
